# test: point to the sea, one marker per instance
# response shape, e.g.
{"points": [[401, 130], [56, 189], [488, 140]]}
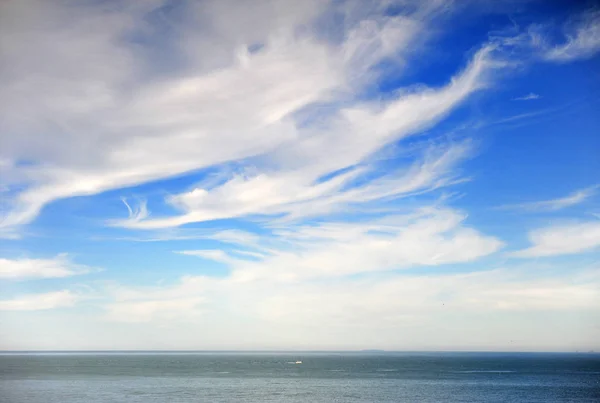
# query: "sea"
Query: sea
{"points": [[145, 377]]}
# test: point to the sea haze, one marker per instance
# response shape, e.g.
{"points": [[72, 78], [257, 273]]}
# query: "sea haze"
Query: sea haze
{"points": [[298, 377]]}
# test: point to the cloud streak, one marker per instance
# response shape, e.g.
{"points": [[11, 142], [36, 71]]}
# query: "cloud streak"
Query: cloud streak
{"points": [[573, 199], [429, 237], [528, 97], [25, 268], [582, 39]]}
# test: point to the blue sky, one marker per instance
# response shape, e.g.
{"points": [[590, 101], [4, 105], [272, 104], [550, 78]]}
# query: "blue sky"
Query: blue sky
{"points": [[300, 175]]}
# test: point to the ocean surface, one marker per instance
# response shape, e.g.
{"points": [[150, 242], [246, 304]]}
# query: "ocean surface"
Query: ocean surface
{"points": [[320, 377]]}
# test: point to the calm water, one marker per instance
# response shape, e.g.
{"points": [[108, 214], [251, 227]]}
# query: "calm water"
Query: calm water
{"points": [[339, 377]]}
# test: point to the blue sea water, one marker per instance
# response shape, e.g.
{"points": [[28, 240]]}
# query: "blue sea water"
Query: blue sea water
{"points": [[276, 377]]}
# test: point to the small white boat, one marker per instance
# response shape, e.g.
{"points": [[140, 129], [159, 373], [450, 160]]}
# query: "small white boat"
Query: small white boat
{"points": [[298, 362]]}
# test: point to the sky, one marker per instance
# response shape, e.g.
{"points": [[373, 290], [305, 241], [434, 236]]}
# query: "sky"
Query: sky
{"points": [[300, 175]]}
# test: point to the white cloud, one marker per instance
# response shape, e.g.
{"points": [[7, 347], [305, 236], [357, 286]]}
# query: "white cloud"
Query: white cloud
{"points": [[25, 268], [562, 240], [294, 256], [528, 97], [355, 134], [76, 125], [116, 125], [573, 199], [274, 103], [122, 135], [426, 238], [582, 39], [297, 195], [307, 288], [36, 302]]}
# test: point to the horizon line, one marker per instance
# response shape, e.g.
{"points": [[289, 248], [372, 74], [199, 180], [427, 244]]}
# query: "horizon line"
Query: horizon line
{"points": [[363, 351]]}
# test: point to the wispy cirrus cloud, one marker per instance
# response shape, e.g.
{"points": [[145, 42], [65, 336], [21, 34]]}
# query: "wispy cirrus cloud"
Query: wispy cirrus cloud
{"points": [[528, 97], [26, 268], [573, 199], [355, 133], [128, 121], [297, 195], [429, 237], [582, 36], [267, 73]]}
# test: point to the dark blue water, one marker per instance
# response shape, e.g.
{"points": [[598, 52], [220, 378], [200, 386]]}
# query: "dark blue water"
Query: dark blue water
{"points": [[321, 377]]}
